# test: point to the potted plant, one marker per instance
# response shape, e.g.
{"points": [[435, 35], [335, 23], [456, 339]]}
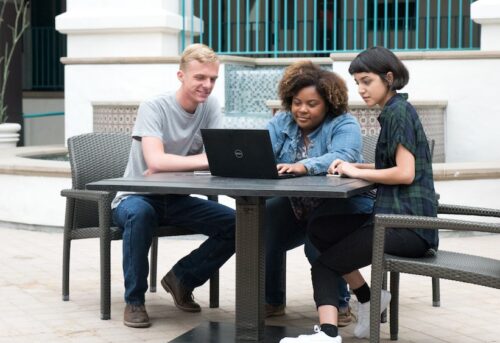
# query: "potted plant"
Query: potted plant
{"points": [[9, 131]]}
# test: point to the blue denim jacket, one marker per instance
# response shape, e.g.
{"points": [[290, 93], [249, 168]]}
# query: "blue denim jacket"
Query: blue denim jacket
{"points": [[338, 137]]}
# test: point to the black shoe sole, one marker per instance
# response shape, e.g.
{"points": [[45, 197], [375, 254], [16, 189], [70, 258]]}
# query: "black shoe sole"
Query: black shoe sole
{"points": [[165, 286]]}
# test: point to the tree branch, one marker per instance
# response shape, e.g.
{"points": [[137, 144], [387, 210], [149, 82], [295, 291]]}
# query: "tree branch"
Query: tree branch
{"points": [[21, 24]]}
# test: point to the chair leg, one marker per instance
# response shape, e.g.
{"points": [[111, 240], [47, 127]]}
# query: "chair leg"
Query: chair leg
{"points": [[436, 292], [376, 287], [283, 278], [68, 222], [394, 320], [383, 316], [105, 279], [65, 271], [214, 290], [153, 265]]}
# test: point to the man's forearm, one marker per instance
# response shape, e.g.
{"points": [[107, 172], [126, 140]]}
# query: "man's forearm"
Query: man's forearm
{"points": [[171, 162]]}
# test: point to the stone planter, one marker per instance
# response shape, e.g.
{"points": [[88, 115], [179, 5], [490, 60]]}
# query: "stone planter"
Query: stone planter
{"points": [[9, 135]]}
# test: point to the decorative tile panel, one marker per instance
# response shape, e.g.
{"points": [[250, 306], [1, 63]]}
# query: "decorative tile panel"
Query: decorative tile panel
{"points": [[245, 122], [114, 117], [248, 88], [432, 119]]}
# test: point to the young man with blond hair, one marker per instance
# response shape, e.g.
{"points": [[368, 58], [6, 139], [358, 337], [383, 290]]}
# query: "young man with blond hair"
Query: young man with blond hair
{"points": [[166, 138]]}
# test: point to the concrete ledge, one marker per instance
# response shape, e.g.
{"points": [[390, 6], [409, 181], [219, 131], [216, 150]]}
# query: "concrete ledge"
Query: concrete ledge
{"points": [[276, 104], [43, 95], [428, 55], [15, 161], [254, 61], [466, 171]]}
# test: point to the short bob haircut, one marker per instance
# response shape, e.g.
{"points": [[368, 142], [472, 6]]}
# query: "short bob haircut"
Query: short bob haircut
{"points": [[197, 52], [380, 61], [329, 86]]}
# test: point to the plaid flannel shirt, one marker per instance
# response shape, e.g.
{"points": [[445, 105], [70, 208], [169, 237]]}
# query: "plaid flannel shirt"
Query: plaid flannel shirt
{"points": [[400, 124]]}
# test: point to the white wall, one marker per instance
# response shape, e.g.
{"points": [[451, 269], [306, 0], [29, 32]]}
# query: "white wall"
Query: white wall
{"points": [[86, 84], [43, 130], [472, 124], [33, 200], [42, 105], [105, 28]]}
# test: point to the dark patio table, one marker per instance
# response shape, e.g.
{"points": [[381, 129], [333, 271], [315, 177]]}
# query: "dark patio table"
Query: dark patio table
{"points": [[250, 196]]}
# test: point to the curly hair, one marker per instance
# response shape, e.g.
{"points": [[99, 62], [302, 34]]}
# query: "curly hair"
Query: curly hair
{"points": [[329, 86]]}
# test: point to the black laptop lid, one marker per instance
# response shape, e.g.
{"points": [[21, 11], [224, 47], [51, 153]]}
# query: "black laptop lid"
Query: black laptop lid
{"points": [[240, 153]]}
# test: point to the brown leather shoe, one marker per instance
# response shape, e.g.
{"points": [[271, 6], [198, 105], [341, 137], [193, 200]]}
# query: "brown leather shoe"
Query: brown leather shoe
{"points": [[136, 316], [183, 297], [274, 310], [345, 317]]}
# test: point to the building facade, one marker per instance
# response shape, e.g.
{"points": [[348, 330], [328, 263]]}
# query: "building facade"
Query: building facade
{"points": [[122, 52]]}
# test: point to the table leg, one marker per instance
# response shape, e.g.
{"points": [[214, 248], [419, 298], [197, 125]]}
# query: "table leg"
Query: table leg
{"points": [[250, 268]]}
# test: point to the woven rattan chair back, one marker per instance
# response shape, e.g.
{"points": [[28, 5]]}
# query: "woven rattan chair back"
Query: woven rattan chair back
{"points": [[370, 144], [94, 157]]}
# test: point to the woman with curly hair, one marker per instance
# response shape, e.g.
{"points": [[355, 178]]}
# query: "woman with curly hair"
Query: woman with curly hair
{"points": [[314, 129]]}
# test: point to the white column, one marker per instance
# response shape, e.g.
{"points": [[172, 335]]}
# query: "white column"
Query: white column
{"points": [[130, 32], [123, 28], [487, 13]]}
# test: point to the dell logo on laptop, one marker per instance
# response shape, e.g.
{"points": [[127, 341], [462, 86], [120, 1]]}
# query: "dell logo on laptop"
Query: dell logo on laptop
{"points": [[238, 153]]}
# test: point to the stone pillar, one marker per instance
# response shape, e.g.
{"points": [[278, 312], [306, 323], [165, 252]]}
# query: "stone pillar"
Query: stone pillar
{"points": [[118, 51], [124, 28], [487, 13]]}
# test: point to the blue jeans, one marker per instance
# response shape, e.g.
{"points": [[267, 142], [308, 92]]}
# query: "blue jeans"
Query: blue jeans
{"points": [[139, 215], [284, 232]]}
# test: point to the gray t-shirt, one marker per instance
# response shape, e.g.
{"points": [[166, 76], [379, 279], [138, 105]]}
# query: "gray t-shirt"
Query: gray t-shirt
{"points": [[163, 117]]}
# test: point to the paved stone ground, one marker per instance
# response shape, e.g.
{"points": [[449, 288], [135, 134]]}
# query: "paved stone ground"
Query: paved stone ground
{"points": [[32, 309]]}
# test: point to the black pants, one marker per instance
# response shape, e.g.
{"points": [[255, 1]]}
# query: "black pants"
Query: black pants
{"points": [[345, 243]]}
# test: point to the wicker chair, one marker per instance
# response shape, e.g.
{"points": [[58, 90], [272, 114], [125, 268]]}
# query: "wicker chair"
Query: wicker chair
{"points": [[93, 157], [370, 142], [446, 264]]}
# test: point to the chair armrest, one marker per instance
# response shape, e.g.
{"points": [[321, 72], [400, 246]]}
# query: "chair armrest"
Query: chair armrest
{"points": [[103, 200], [383, 221], [82, 194], [467, 210]]}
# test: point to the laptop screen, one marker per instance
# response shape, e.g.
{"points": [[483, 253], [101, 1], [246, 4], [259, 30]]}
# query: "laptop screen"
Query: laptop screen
{"points": [[244, 153]]}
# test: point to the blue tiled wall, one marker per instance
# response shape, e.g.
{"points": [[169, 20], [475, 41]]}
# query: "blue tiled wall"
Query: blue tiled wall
{"points": [[247, 89]]}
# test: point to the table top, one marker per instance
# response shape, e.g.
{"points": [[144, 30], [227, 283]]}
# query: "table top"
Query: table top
{"points": [[189, 183]]}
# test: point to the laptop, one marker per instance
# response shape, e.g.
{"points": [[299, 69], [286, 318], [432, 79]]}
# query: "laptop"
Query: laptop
{"points": [[245, 153]]}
